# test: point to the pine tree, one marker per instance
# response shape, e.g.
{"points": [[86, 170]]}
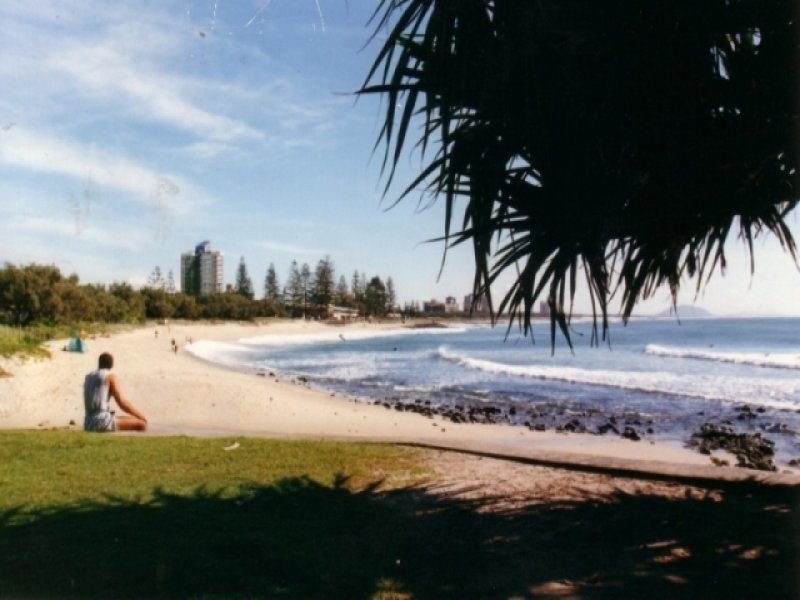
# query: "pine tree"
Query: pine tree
{"points": [[156, 281], [244, 285], [305, 279], [272, 290], [294, 289], [341, 291], [323, 291], [375, 298], [391, 295]]}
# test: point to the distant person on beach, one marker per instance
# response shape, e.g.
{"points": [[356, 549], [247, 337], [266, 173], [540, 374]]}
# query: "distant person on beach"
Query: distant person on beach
{"points": [[98, 389]]}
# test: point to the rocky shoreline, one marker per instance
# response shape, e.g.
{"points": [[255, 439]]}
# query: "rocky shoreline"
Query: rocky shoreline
{"points": [[751, 449]]}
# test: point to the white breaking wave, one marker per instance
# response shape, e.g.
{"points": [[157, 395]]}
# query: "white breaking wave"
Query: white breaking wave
{"points": [[776, 393], [222, 353], [345, 334], [781, 360]]}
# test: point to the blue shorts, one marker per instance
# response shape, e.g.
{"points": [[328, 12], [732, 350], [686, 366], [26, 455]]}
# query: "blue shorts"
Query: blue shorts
{"points": [[101, 421]]}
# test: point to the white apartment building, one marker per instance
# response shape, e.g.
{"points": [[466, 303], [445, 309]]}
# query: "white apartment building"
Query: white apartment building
{"points": [[209, 268]]}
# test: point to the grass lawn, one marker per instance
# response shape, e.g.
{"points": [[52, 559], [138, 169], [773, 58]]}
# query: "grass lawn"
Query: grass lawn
{"points": [[105, 516], [101, 516]]}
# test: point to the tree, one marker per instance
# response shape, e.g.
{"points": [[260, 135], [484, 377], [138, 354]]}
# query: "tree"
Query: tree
{"points": [[170, 282], [622, 142], [356, 288], [158, 304], [375, 298], [323, 290], [305, 284], [391, 295], [244, 285], [294, 289], [272, 289], [155, 280], [341, 291], [130, 305], [29, 294]]}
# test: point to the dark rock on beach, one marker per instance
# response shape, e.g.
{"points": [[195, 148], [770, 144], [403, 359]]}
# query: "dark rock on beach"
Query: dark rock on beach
{"points": [[629, 433], [750, 449]]}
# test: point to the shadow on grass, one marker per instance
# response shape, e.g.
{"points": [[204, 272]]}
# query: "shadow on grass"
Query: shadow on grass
{"points": [[299, 539]]}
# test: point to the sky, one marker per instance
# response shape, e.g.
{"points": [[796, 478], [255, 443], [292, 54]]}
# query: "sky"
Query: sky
{"points": [[131, 131]]}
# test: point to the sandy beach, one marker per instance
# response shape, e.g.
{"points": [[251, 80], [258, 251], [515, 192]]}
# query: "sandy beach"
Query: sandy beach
{"points": [[181, 394]]}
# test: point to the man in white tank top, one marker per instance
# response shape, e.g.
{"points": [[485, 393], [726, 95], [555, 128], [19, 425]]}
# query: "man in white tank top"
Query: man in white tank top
{"points": [[98, 389]]}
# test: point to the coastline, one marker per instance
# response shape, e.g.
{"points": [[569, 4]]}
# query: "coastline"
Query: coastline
{"points": [[185, 395]]}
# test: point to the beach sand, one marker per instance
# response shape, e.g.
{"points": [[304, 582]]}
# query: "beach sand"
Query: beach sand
{"points": [[181, 394]]}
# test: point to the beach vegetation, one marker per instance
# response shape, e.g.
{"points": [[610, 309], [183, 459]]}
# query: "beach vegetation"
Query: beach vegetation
{"points": [[391, 295], [272, 287], [323, 286], [156, 280], [374, 304], [244, 285], [22, 341], [38, 303], [342, 291], [293, 294], [618, 144]]}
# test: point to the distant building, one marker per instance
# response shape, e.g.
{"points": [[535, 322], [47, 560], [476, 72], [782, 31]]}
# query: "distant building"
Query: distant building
{"points": [[342, 313], [206, 266], [433, 307], [544, 309], [475, 305], [451, 305]]}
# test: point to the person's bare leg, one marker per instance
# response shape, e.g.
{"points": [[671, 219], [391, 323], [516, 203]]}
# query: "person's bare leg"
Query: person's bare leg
{"points": [[128, 423]]}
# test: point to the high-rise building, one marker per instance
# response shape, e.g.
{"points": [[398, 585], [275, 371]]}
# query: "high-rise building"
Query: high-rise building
{"points": [[476, 305], [202, 270]]}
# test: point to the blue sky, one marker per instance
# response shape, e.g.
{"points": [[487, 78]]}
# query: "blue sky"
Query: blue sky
{"points": [[130, 131]]}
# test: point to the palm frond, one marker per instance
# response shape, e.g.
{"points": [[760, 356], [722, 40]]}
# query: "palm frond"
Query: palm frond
{"points": [[624, 140]]}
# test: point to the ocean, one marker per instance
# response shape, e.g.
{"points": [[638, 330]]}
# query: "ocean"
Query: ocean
{"points": [[660, 378]]}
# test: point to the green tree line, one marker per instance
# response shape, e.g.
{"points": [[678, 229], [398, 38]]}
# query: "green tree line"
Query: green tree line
{"points": [[41, 294]]}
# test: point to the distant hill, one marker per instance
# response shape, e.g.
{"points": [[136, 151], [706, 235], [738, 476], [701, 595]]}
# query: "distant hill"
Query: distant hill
{"points": [[686, 311]]}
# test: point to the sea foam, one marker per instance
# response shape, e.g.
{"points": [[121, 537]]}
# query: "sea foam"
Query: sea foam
{"points": [[780, 360], [777, 393]]}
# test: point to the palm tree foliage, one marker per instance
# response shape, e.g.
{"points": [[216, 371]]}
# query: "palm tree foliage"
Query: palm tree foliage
{"points": [[622, 142]]}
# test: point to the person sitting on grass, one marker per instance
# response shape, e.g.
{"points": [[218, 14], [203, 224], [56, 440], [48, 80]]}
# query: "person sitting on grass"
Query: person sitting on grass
{"points": [[98, 389]]}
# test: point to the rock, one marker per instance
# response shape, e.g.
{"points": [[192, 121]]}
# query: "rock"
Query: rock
{"points": [[751, 450], [604, 429], [629, 433]]}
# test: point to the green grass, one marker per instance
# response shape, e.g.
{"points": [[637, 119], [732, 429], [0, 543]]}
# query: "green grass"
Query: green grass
{"points": [[79, 502], [25, 342], [49, 471], [112, 516], [28, 341]]}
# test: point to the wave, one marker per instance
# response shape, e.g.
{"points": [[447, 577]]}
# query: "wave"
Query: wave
{"points": [[780, 360], [775, 393], [223, 353], [346, 334]]}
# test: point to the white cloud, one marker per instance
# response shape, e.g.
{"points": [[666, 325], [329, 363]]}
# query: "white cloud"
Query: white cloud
{"points": [[288, 249], [151, 95], [107, 238], [46, 154]]}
